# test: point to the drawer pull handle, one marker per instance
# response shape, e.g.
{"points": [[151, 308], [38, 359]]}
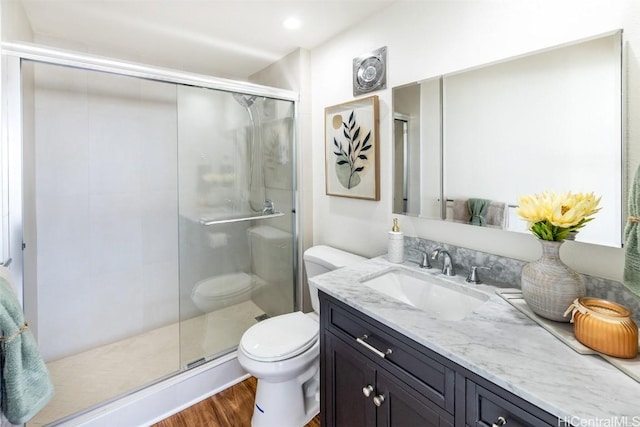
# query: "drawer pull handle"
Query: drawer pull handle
{"points": [[378, 400], [367, 390], [500, 422], [382, 354]]}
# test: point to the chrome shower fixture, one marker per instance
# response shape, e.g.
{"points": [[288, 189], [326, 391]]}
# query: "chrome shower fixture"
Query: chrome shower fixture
{"points": [[245, 100]]}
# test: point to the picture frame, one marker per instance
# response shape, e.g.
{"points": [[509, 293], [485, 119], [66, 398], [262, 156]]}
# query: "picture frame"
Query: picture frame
{"points": [[352, 149]]}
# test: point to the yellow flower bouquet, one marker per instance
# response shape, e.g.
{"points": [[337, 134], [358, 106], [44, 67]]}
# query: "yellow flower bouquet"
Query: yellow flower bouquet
{"points": [[552, 216]]}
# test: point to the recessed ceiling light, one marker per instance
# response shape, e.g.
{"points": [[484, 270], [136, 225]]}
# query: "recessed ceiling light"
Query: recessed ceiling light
{"points": [[292, 23]]}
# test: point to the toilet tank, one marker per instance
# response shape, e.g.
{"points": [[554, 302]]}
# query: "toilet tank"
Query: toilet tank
{"points": [[322, 259], [271, 254]]}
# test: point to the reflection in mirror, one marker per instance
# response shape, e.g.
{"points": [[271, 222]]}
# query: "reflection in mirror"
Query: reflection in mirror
{"points": [[546, 121], [401, 164], [419, 105], [407, 152]]}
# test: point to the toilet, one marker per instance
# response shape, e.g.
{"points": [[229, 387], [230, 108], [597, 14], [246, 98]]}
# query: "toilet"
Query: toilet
{"points": [[270, 254], [283, 353], [271, 267], [214, 293]]}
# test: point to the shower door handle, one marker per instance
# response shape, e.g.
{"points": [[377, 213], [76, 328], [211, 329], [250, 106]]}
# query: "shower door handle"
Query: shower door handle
{"points": [[6, 263], [207, 221]]}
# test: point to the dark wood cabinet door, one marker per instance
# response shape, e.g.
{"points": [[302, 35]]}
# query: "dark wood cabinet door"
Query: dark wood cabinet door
{"points": [[401, 406], [347, 373]]}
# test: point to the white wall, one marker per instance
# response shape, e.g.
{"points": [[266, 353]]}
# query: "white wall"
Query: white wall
{"points": [[431, 136], [13, 25], [426, 39]]}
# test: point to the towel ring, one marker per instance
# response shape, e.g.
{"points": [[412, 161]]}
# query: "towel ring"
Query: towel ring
{"points": [[15, 334]]}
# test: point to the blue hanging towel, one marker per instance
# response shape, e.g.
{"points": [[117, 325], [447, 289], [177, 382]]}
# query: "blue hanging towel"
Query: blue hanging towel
{"points": [[25, 384], [632, 239], [478, 210]]}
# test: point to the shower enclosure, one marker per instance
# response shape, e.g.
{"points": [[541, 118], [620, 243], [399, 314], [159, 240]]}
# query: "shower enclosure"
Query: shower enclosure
{"points": [[151, 217]]}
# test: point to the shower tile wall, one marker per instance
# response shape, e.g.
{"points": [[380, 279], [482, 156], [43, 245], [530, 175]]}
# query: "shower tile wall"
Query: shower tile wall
{"points": [[107, 208]]}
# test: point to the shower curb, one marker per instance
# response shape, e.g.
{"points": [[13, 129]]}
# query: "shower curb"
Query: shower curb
{"points": [[161, 400]]}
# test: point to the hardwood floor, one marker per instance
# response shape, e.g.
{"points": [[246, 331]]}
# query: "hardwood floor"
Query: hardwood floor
{"points": [[232, 407]]}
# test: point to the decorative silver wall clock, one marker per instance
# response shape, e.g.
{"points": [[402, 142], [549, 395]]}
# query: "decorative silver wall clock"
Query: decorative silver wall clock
{"points": [[370, 71]]}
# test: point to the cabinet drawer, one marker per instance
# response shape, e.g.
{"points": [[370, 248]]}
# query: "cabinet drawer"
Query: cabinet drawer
{"points": [[484, 408], [428, 376]]}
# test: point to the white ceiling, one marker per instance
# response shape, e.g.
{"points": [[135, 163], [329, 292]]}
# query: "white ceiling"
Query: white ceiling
{"points": [[225, 38]]}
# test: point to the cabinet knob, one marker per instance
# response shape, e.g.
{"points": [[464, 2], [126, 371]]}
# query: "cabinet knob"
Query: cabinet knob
{"points": [[499, 422], [367, 390], [378, 400]]}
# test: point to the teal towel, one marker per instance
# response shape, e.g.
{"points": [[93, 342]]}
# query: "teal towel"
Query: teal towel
{"points": [[478, 210], [632, 239], [26, 387]]}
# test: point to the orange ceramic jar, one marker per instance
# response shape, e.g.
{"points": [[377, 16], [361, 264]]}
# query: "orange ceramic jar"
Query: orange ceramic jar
{"points": [[605, 326]]}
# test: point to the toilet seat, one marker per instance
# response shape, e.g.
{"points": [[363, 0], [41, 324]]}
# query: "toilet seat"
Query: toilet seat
{"points": [[226, 285], [281, 337]]}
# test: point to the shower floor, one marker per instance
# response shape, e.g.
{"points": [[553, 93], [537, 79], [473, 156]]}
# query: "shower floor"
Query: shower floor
{"points": [[94, 376]]}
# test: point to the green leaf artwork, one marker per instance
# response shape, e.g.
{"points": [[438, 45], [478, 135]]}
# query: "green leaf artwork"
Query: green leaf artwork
{"points": [[351, 159]]}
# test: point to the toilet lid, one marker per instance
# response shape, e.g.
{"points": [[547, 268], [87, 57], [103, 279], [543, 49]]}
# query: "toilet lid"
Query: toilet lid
{"points": [[280, 337], [223, 286]]}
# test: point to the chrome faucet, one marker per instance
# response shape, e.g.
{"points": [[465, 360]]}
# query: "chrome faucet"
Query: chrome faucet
{"points": [[447, 262]]}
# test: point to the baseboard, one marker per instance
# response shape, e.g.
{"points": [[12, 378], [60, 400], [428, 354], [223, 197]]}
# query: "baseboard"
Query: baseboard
{"points": [[161, 400]]}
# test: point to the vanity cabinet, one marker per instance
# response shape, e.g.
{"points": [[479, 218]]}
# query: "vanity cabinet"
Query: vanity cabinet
{"points": [[373, 376], [485, 408], [365, 394]]}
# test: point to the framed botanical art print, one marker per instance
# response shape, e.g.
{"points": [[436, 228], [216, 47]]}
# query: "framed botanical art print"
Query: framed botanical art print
{"points": [[351, 149]]}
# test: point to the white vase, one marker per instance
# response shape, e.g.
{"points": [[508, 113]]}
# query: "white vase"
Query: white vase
{"points": [[549, 287]]}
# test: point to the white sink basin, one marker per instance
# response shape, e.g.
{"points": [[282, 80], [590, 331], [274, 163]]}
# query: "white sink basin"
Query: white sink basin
{"points": [[443, 299]]}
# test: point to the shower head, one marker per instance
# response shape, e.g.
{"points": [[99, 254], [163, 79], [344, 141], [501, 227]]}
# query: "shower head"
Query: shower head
{"points": [[245, 100]]}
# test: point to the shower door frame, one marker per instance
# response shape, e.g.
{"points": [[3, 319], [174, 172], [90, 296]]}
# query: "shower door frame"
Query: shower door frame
{"points": [[11, 143]]}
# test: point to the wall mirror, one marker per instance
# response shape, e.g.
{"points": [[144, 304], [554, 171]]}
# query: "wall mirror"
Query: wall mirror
{"points": [[550, 120]]}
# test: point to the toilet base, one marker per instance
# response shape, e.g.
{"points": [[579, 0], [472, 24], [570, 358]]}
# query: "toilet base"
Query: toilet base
{"points": [[288, 403]]}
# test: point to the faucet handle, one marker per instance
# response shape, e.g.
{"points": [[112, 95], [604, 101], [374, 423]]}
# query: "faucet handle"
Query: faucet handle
{"points": [[268, 208], [473, 274], [425, 261]]}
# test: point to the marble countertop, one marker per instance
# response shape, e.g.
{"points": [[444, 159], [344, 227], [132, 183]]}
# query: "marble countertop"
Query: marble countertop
{"points": [[501, 344]]}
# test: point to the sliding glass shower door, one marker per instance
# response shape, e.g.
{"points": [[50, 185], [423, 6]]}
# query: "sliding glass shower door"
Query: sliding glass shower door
{"points": [[101, 256], [237, 243], [158, 225]]}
